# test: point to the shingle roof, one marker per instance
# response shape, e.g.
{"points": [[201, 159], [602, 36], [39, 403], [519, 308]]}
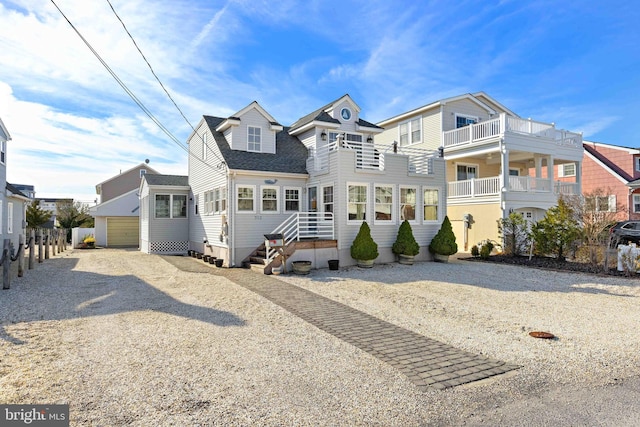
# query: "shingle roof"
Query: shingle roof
{"points": [[15, 190], [167, 180], [318, 115], [611, 165], [290, 157], [368, 124]]}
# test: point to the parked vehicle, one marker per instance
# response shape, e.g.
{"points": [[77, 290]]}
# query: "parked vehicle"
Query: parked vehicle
{"points": [[625, 231]]}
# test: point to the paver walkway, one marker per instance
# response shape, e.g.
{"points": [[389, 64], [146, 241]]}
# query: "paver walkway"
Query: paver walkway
{"points": [[426, 362]]}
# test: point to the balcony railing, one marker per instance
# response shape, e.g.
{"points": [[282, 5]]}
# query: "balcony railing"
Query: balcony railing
{"points": [[491, 186], [302, 225], [504, 124], [372, 157]]}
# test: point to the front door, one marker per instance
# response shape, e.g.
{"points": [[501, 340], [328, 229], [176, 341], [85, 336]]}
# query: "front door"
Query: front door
{"points": [[312, 200]]}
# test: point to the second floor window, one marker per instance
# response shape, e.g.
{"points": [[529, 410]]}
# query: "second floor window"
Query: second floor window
{"points": [[410, 132], [254, 139], [462, 121]]}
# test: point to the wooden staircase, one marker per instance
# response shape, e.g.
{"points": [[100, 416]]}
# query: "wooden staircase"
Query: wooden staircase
{"points": [[259, 262]]}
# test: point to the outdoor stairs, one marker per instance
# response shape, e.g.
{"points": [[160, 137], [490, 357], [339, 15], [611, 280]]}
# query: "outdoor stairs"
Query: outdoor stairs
{"points": [[258, 258]]}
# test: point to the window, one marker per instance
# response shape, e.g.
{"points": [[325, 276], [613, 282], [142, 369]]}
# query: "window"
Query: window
{"points": [[195, 204], [245, 199], [462, 121], [163, 206], [9, 217], [464, 172], [142, 172], [291, 199], [408, 203], [601, 203], [269, 199], [567, 169], [207, 202], [215, 200], [327, 199], [514, 172], [3, 151], [430, 202], [637, 161], [357, 202], [348, 137], [221, 199], [410, 132], [384, 203], [254, 138], [204, 146], [179, 206]]}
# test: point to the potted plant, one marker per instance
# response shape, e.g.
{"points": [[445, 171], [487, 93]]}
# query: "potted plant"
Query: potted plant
{"points": [[405, 245], [301, 267], [90, 241], [443, 243], [364, 250]]}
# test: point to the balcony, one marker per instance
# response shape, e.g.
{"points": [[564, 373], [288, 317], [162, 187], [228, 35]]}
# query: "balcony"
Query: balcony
{"points": [[492, 186], [505, 125], [370, 157]]}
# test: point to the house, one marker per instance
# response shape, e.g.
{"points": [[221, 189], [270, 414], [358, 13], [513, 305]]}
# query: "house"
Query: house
{"points": [[51, 204], [496, 161], [117, 220], [614, 173], [4, 138], [17, 203], [27, 190], [313, 182], [164, 220]]}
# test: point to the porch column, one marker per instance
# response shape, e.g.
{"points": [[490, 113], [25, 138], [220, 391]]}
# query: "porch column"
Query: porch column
{"points": [[538, 165], [578, 177], [504, 157], [551, 173]]}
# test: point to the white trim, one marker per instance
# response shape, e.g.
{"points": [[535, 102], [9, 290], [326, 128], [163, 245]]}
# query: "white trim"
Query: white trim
{"points": [[259, 135], [333, 197], [171, 216], [238, 187], [277, 200], [410, 131], [393, 219], [416, 218], [9, 217], [366, 202], [563, 174]]}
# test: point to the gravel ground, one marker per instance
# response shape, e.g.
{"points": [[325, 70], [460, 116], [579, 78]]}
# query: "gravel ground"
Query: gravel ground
{"points": [[128, 339]]}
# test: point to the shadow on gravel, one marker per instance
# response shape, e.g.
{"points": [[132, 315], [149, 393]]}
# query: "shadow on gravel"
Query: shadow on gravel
{"points": [[73, 294]]}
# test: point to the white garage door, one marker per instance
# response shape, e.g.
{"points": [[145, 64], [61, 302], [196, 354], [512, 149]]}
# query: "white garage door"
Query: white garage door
{"points": [[123, 231]]}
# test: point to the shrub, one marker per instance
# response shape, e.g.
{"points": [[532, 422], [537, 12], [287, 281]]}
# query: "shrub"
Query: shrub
{"points": [[557, 231], [475, 252], [486, 249], [405, 242], [444, 242], [363, 247], [514, 231]]}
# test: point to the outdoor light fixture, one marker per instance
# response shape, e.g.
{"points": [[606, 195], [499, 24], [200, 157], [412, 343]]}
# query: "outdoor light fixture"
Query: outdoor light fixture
{"points": [[370, 139], [323, 136]]}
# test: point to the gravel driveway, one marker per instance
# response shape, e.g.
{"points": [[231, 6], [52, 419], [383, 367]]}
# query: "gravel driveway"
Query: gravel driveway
{"points": [[132, 339]]}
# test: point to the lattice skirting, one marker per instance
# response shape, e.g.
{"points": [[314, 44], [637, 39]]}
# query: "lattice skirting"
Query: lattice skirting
{"points": [[168, 247]]}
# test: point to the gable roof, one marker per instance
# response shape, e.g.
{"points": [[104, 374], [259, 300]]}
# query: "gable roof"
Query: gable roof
{"points": [[4, 132], [321, 115], [234, 119], [146, 166], [166, 180], [472, 97], [290, 157], [606, 163], [14, 192]]}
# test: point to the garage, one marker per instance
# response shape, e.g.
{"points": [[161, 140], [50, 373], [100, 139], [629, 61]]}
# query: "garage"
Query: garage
{"points": [[123, 231]]}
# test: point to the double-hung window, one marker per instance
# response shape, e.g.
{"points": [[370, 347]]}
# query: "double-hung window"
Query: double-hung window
{"points": [[636, 203], [357, 202], [410, 132], [327, 199], [269, 200], [384, 203], [292, 199], [601, 203], [430, 204], [254, 138], [464, 172], [222, 200], [408, 198], [245, 198]]}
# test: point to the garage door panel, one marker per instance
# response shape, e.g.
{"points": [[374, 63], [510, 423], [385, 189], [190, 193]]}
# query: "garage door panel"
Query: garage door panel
{"points": [[123, 231]]}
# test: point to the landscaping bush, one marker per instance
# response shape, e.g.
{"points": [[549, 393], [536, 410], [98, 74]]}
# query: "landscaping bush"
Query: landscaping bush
{"points": [[363, 247], [444, 242], [405, 243]]}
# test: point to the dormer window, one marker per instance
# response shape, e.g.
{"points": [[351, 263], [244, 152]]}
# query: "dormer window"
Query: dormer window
{"points": [[254, 138]]}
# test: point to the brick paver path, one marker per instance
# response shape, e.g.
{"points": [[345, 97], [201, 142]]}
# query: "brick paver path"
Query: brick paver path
{"points": [[426, 362]]}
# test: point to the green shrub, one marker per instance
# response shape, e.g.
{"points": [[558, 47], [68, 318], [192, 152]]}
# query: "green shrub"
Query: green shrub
{"points": [[444, 242], [405, 243], [475, 252], [363, 247], [486, 249]]}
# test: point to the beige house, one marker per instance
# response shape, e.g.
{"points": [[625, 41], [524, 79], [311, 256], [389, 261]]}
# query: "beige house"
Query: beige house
{"points": [[117, 215], [496, 161]]}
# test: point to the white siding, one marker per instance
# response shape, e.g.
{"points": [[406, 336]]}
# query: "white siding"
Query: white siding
{"points": [[463, 107], [254, 118]]}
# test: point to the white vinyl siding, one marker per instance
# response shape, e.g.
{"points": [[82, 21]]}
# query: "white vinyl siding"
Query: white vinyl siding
{"points": [[204, 146]]}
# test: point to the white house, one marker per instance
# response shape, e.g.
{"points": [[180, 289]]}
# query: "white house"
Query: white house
{"points": [[315, 182]]}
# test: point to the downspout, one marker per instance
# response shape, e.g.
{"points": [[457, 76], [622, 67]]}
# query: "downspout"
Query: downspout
{"points": [[231, 243]]}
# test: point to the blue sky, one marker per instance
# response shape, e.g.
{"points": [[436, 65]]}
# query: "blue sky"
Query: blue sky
{"points": [[574, 63]]}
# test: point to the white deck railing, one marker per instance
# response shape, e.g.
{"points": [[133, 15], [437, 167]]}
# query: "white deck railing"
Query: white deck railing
{"points": [[505, 124], [372, 157], [491, 186], [301, 225]]}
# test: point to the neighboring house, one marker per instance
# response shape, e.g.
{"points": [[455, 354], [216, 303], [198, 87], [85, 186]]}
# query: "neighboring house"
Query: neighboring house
{"points": [[117, 221], [4, 138], [164, 220], [17, 203], [51, 205], [27, 190], [315, 182], [614, 171], [496, 162]]}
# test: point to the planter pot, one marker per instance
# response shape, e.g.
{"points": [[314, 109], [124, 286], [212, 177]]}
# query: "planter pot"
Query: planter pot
{"points": [[365, 263], [189, 252], [205, 258], [276, 270], [212, 260], [194, 253], [199, 255], [334, 264], [405, 259], [219, 262], [440, 258], [301, 267]]}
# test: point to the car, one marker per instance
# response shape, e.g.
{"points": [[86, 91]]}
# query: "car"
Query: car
{"points": [[625, 231]]}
